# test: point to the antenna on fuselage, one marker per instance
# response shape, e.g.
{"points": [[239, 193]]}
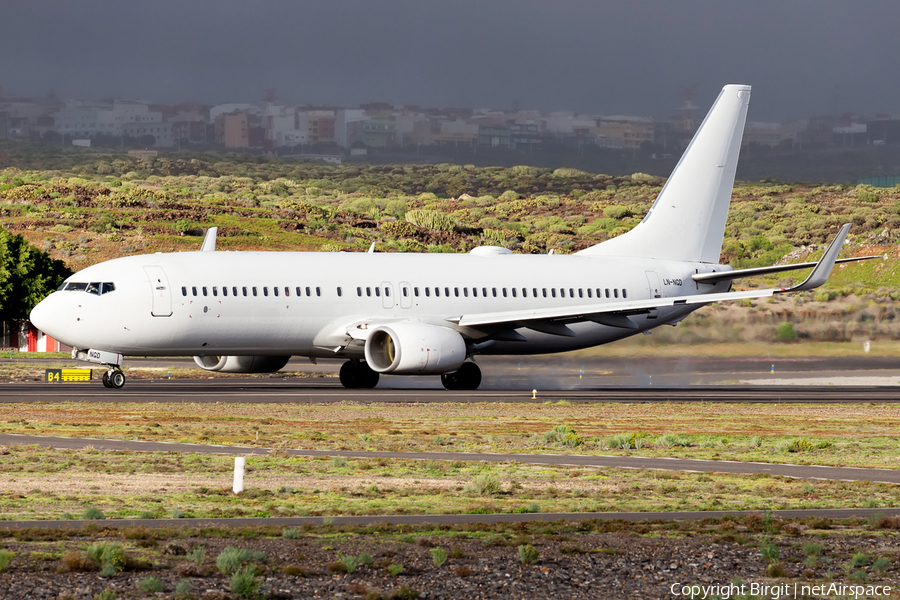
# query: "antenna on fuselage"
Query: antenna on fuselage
{"points": [[209, 241]]}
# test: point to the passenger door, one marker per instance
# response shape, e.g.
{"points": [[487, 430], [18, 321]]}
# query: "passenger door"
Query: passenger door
{"points": [[162, 295]]}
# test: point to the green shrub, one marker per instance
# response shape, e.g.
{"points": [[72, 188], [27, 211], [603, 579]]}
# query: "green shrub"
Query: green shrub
{"points": [[291, 533], [882, 563], [860, 559], [486, 484], [350, 562], [110, 557], [670, 440], [365, 559], [231, 558], [797, 445], [395, 569], [812, 549], [527, 554], [183, 588], [93, 514], [785, 333], [431, 219], [624, 441], [197, 555], [150, 584], [106, 594], [5, 557], [564, 435], [616, 211], [769, 551], [244, 583], [439, 556]]}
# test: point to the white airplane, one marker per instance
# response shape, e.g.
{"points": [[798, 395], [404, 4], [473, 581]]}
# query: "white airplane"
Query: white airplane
{"points": [[422, 314]]}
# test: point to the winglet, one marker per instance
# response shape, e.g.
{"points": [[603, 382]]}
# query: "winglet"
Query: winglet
{"points": [[823, 268], [209, 241]]}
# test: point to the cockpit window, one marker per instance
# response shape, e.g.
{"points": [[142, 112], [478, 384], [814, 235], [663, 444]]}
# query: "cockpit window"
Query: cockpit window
{"points": [[95, 287]]}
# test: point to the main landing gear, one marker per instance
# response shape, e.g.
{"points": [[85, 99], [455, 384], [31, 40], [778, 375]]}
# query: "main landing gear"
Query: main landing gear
{"points": [[355, 374], [468, 377], [114, 378]]}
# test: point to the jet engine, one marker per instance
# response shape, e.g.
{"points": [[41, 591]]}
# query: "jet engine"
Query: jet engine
{"points": [[409, 348], [242, 364]]}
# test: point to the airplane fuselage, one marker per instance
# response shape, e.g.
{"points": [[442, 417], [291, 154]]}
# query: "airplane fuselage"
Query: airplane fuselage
{"points": [[284, 303]]}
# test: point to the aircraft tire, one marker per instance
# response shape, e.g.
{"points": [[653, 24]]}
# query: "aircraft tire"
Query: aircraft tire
{"points": [[117, 379], [366, 377], [106, 379], [467, 377], [348, 374], [356, 374]]}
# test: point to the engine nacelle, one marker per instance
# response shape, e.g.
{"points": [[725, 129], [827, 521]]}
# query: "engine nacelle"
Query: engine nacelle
{"points": [[408, 348], [242, 364]]}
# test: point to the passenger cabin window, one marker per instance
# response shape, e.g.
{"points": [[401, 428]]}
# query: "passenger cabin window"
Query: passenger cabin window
{"points": [[589, 293], [299, 291], [245, 291], [224, 291], [624, 293], [359, 292], [504, 292], [607, 292], [514, 292], [484, 292], [474, 292], [466, 292], [437, 291], [456, 292], [265, 290], [428, 292], [194, 290], [318, 291], [494, 292], [545, 292], [447, 292], [553, 292], [308, 292], [616, 292], [275, 291], [416, 292], [534, 292], [339, 291], [387, 291], [215, 291], [254, 290], [234, 291], [405, 292], [183, 291], [287, 291], [378, 292]]}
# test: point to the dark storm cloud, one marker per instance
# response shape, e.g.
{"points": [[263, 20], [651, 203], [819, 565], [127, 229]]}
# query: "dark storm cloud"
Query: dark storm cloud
{"points": [[802, 57]]}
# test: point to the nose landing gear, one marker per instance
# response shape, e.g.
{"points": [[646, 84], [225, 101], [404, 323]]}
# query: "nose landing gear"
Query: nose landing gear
{"points": [[114, 378]]}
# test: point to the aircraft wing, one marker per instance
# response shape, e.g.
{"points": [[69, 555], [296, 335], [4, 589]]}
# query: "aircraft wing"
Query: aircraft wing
{"points": [[616, 313]]}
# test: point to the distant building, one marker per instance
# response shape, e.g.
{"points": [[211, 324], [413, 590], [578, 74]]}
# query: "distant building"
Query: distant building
{"points": [[763, 134], [623, 132], [233, 130]]}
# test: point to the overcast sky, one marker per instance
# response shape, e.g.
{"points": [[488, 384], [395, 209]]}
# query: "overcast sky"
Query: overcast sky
{"points": [[803, 57]]}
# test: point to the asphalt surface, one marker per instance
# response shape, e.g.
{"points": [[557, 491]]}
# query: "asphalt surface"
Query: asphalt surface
{"points": [[619, 462], [325, 390]]}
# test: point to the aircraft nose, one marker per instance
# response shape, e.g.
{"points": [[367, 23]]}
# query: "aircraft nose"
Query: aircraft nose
{"points": [[45, 317]]}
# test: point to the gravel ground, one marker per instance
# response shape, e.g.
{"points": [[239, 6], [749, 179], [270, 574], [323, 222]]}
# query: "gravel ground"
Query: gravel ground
{"points": [[632, 564]]}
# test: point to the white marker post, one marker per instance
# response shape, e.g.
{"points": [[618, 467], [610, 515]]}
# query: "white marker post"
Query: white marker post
{"points": [[239, 463]]}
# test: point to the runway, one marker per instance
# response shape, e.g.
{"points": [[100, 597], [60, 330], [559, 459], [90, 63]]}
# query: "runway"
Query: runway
{"points": [[325, 390], [580, 460]]}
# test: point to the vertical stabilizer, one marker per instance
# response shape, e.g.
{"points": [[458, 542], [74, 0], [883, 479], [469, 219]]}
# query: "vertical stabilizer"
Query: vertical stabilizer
{"points": [[687, 220]]}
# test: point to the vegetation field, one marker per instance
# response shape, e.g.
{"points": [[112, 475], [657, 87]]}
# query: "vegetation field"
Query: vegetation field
{"points": [[90, 206], [846, 435]]}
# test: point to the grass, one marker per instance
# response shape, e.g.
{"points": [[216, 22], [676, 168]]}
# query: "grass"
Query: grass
{"points": [[861, 436]]}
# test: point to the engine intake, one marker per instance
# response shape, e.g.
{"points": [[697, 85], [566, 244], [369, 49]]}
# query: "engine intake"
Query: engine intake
{"points": [[409, 348], [242, 364]]}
